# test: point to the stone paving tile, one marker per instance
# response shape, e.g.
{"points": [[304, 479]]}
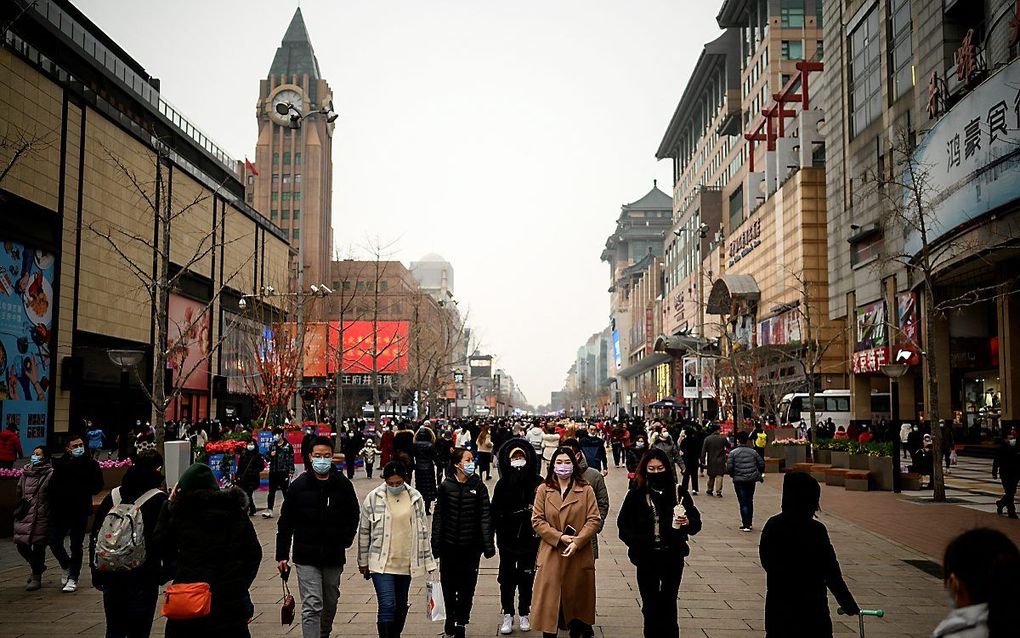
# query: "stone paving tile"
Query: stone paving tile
{"points": [[722, 593]]}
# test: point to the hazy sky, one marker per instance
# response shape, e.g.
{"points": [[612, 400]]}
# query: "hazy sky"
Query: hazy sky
{"points": [[503, 135]]}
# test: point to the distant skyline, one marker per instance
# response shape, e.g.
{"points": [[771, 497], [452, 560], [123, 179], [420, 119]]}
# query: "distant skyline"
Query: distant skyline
{"points": [[502, 136]]}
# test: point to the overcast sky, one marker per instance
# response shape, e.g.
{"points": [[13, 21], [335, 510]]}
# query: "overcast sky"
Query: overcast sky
{"points": [[503, 135]]}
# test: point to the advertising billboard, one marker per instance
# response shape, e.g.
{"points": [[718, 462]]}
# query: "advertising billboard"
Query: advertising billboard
{"points": [[188, 343], [617, 357], [386, 346], [26, 329]]}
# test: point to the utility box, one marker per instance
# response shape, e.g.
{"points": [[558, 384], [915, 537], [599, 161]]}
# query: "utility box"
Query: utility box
{"points": [[176, 459]]}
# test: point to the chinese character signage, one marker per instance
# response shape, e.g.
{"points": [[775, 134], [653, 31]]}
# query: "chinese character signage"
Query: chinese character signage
{"points": [[26, 323], [649, 329], [871, 326], [868, 361], [971, 156], [744, 242]]}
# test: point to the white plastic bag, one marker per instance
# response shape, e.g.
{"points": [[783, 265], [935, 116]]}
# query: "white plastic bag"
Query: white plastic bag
{"points": [[435, 606]]}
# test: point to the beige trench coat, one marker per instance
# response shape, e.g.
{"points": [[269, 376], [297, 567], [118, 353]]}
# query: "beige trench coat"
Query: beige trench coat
{"points": [[564, 582]]}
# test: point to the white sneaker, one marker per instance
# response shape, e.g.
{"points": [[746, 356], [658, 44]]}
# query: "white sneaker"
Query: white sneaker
{"points": [[525, 623], [64, 577], [70, 586], [508, 625], [267, 514]]}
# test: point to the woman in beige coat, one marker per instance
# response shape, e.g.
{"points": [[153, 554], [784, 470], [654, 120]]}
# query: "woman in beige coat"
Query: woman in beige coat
{"points": [[566, 517]]}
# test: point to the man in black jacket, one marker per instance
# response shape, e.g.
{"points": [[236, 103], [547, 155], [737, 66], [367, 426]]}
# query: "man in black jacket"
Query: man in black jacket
{"points": [[281, 468], [77, 477], [1006, 467], [320, 514]]}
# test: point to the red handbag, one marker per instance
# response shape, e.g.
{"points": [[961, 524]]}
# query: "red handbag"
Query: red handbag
{"points": [[287, 610]]}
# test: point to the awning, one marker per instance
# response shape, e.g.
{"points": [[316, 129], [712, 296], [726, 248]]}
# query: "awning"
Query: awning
{"points": [[680, 343], [728, 288], [647, 363]]}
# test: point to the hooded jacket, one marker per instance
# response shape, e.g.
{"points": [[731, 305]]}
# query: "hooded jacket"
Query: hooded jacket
{"points": [[321, 517], [425, 463], [744, 464], [10, 446], [513, 498], [209, 537], [136, 482], [965, 622], [461, 521], [34, 486]]}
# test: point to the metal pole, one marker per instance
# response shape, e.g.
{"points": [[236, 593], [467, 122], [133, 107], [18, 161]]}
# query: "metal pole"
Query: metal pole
{"points": [[701, 334], [894, 429], [300, 372]]}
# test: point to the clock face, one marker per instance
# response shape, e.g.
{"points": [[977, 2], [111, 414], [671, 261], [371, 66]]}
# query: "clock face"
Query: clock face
{"points": [[287, 95]]}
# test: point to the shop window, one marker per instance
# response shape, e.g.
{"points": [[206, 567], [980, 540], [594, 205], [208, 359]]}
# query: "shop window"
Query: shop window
{"points": [[901, 53], [864, 73]]}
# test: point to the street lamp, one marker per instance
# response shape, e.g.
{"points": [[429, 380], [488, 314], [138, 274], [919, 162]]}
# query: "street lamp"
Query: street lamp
{"points": [[296, 116], [126, 360], [895, 372]]}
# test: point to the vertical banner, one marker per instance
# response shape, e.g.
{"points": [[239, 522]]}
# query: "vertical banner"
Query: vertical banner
{"points": [[906, 319], [708, 377], [189, 342], [26, 329], [692, 377]]}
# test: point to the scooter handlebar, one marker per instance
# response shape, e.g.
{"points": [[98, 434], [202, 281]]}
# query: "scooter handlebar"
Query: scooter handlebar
{"points": [[877, 613]]}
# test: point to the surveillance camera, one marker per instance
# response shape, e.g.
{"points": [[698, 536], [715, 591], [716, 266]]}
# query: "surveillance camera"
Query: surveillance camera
{"points": [[270, 290], [326, 290], [242, 304], [855, 227], [315, 289]]}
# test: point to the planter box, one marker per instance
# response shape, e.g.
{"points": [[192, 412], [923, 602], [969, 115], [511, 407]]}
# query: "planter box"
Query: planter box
{"points": [[795, 454], [881, 468], [8, 487], [840, 459], [113, 476], [822, 456], [775, 451], [859, 461]]}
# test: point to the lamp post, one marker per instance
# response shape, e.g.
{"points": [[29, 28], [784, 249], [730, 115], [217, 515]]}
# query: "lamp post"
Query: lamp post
{"points": [[126, 360], [895, 371]]}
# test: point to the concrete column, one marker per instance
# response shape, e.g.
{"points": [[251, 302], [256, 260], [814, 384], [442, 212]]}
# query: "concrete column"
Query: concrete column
{"points": [[1007, 308], [941, 331], [908, 400]]}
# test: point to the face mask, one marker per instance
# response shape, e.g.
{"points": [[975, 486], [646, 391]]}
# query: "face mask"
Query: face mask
{"points": [[639, 444], [1012, 442], [659, 480], [250, 447], [915, 429], [395, 491], [36, 459], [468, 468], [78, 451], [321, 466], [518, 463], [563, 470]]}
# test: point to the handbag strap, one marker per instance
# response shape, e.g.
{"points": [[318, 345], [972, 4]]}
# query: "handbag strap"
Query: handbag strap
{"points": [[286, 587]]}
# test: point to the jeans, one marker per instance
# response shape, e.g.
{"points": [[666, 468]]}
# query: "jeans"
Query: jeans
{"points": [[745, 497], [35, 555], [391, 590], [691, 477], [61, 527], [129, 609], [458, 573], [617, 452], [319, 588], [516, 574], [277, 481], [659, 583]]}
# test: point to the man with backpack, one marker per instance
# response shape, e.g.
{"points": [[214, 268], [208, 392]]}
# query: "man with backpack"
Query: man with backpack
{"points": [[77, 477], [128, 569]]}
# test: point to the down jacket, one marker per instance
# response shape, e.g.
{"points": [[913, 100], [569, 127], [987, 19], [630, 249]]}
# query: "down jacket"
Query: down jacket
{"points": [[425, 465], [745, 465], [321, 517], [461, 521], [34, 486], [512, 501]]}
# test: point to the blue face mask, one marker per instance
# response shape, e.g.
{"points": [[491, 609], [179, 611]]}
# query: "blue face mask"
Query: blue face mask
{"points": [[36, 459], [78, 451], [395, 491], [322, 466], [469, 468]]}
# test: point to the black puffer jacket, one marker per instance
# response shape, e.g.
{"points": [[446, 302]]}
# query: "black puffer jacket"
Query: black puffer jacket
{"points": [[249, 469], [461, 519], [512, 500], [321, 517], [135, 483], [637, 529], [211, 539], [75, 481], [425, 464]]}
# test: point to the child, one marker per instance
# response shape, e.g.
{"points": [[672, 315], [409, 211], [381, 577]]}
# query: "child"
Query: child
{"points": [[368, 454]]}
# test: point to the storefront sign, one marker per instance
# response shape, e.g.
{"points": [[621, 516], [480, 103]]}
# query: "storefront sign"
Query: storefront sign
{"points": [[649, 330], [617, 357], [871, 326], [868, 361], [971, 157], [780, 330], [26, 329], [745, 241], [906, 318]]}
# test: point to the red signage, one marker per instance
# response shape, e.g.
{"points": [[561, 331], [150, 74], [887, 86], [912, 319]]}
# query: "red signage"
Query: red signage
{"points": [[649, 330], [866, 361], [386, 347], [188, 343]]}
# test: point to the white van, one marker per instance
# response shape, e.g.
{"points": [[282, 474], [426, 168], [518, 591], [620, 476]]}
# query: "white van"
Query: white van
{"points": [[829, 404]]}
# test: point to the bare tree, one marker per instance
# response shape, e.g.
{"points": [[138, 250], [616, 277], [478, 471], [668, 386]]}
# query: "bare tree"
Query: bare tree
{"points": [[158, 274]]}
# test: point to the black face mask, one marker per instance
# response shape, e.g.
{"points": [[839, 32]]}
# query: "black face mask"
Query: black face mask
{"points": [[660, 481]]}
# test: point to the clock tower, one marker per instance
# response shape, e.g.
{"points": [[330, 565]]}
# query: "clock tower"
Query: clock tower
{"points": [[294, 155]]}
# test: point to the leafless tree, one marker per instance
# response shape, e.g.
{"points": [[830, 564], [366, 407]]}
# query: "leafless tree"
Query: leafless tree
{"points": [[17, 145]]}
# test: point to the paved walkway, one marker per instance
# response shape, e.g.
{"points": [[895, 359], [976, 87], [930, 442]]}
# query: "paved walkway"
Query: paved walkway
{"points": [[722, 592]]}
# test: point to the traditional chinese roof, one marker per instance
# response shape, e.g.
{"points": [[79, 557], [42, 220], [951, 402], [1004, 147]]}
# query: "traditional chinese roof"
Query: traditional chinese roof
{"points": [[654, 199]]}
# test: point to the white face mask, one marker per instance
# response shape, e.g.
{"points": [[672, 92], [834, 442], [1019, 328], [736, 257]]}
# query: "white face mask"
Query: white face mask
{"points": [[518, 463]]}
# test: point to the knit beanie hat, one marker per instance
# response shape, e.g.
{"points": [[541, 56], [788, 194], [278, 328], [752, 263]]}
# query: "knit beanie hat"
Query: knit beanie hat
{"points": [[197, 477]]}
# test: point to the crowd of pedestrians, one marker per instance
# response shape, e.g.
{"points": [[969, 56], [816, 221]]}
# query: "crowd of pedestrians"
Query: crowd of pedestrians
{"points": [[438, 514]]}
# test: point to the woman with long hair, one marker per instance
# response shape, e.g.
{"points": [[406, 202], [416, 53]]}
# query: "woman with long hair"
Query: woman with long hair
{"points": [[512, 501], [566, 517], [485, 447], [654, 523], [806, 578], [393, 545], [980, 570], [461, 534]]}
